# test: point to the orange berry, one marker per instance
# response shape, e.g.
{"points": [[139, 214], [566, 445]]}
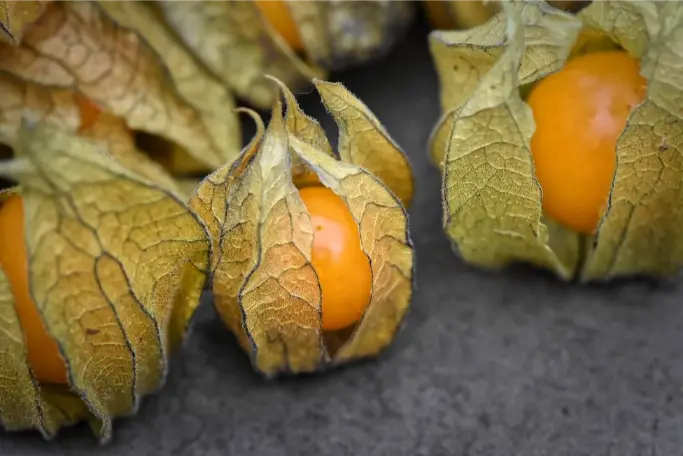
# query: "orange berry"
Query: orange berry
{"points": [[43, 354], [89, 112], [277, 14], [461, 14], [438, 14], [342, 267], [580, 112]]}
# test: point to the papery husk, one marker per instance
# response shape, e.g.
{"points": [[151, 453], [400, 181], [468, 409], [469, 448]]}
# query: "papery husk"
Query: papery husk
{"points": [[168, 68], [200, 89], [265, 288], [61, 108], [640, 231], [15, 16], [492, 199], [334, 35], [116, 266], [130, 65], [364, 142], [21, 405], [338, 35], [239, 46]]}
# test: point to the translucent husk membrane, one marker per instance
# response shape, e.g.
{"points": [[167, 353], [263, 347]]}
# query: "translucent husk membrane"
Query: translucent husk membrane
{"points": [[165, 74], [333, 35], [265, 287], [492, 200], [113, 72], [116, 266]]}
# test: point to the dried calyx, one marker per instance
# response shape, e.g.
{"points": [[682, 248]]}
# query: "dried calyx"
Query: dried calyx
{"points": [[100, 272], [144, 86], [483, 143], [274, 279], [163, 75]]}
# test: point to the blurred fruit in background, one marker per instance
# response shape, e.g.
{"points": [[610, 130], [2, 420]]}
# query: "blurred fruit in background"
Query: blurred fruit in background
{"points": [[466, 14]]}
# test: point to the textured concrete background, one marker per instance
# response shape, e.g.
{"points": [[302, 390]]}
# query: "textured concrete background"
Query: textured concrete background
{"points": [[493, 364]]}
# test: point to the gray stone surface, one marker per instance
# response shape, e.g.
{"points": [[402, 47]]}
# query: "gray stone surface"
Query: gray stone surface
{"points": [[492, 364]]}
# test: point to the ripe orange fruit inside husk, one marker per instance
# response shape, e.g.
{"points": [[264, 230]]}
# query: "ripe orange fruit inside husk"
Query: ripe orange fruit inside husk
{"points": [[89, 112], [343, 268], [580, 112], [468, 13], [43, 353], [277, 14]]}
